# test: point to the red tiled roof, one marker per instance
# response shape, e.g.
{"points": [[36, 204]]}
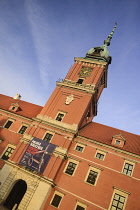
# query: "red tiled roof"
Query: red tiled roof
{"points": [[26, 109], [103, 134]]}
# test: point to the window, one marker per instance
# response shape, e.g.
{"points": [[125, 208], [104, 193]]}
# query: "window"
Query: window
{"points": [[59, 116], [48, 137], [8, 152], [56, 199], [118, 202], [79, 148], [80, 81], [119, 199], [70, 168], [128, 168], [13, 108], [117, 142], [8, 124], [22, 129], [93, 175], [100, 154], [80, 206]]}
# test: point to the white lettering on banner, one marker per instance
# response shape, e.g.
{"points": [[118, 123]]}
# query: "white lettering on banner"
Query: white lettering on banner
{"points": [[36, 146]]}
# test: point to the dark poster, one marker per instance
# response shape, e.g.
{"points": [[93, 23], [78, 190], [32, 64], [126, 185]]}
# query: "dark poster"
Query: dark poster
{"points": [[37, 155]]}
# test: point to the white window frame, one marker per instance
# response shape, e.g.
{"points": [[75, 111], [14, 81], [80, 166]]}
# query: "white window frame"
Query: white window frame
{"points": [[131, 163], [93, 168], [101, 152], [80, 145], [73, 161], [9, 145], [79, 203], [121, 193], [21, 127], [45, 135], [59, 194], [7, 122], [60, 112]]}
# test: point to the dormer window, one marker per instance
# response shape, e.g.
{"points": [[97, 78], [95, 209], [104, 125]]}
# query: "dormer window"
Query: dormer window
{"points": [[14, 107], [118, 140]]}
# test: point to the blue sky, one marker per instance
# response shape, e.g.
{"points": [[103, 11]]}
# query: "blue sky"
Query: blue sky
{"points": [[40, 38]]}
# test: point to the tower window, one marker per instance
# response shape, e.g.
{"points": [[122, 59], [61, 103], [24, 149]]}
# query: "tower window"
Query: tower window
{"points": [[48, 137], [80, 81], [59, 117], [23, 129], [8, 124]]}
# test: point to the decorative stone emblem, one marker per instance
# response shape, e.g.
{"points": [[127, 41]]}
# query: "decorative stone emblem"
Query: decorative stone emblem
{"points": [[69, 99]]}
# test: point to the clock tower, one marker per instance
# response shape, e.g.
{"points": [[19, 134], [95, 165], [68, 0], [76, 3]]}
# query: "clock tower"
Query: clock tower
{"points": [[73, 104], [46, 150]]}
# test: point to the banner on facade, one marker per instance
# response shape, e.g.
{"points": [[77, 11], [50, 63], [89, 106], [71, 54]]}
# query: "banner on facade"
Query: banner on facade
{"points": [[37, 155]]}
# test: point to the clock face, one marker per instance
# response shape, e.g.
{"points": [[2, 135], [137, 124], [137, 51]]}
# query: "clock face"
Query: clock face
{"points": [[85, 71]]}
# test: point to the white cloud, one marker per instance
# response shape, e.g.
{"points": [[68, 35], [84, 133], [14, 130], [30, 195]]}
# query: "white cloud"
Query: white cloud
{"points": [[39, 30]]}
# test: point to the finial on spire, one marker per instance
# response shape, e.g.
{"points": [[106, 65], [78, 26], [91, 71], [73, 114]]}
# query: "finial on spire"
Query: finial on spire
{"points": [[107, 41], [101, 52]]}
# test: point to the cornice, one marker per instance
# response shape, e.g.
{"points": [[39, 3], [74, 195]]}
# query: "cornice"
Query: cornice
{"points": [[16, 115], [56, 124], [90, 61], [109, 147], [26, 138], [60, 152], [88, 88]]}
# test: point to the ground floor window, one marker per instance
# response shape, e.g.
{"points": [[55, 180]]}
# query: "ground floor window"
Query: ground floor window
{"points": [[56, 200], [8, 152]]}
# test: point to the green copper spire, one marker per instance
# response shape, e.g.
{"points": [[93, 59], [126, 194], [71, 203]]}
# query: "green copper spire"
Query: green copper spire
{"points": [[101, 53], [107, 41]]}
